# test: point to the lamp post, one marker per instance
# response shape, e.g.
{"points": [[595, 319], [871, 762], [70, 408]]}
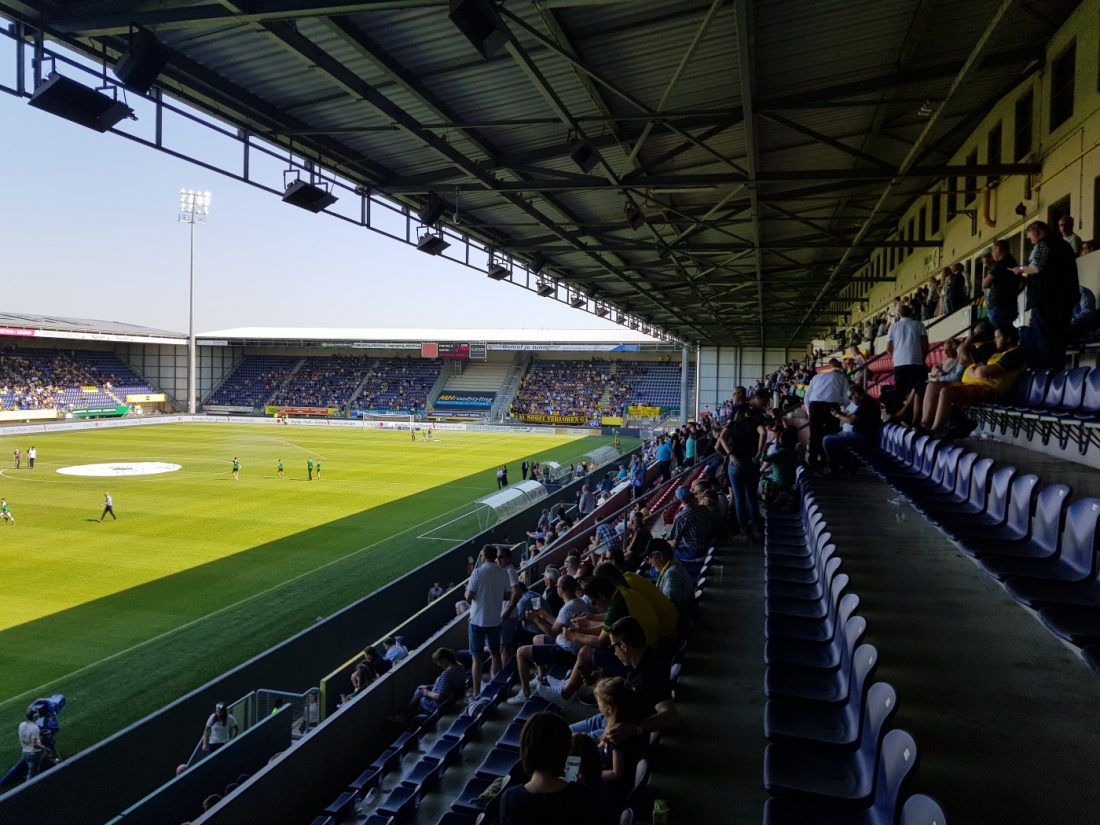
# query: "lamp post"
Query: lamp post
{"points": [[194, 209]]}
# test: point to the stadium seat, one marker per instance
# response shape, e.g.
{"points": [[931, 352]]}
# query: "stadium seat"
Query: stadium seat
{"points": [[498, 762], [819, 654], [400, 802], [810, 630], [839, 727], [1006, 518], [921, 810], [1074, 556], [814, 777], [343, 806], [1040, 540], [467, 800]]}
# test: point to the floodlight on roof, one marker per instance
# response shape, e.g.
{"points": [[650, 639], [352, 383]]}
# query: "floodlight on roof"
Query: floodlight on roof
{"points": [[430, 240], [308, 196], [603, 311], [578, 301], [73, 101], [480, 23], [583, 154], [546, 289]]}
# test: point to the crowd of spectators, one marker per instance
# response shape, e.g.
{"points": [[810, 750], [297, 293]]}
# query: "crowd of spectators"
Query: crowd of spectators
{"points": [[398, 384], [325, 382], [38, 379], [591, 389]]}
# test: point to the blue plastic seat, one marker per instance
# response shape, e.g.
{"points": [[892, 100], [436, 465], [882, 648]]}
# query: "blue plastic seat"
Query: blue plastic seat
{"points": [[807, 591], [498, 762], [456, 818], [1013, 521], [1074, 556], [370, 778], [920, 809], [897, 759], [799, 721], [956, 486], [811, 630], [510, 738], [975, 496], [824, 780], [422, 773], [825, 655], [400, 802], [1001, 558], [815, 684], [467, 802], [808, 608], [343, 806]]}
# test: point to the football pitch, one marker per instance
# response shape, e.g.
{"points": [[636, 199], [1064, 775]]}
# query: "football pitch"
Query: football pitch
{"points": [[202, 571]]}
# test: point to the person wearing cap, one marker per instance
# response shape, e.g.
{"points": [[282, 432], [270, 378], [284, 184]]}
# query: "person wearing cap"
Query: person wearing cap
{"points": [[220, 728], [692, 529], [672, 579], [1002, 286]]}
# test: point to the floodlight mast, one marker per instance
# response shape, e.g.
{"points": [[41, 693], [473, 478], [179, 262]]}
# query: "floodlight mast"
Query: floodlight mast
{"points": [[194, 209]]}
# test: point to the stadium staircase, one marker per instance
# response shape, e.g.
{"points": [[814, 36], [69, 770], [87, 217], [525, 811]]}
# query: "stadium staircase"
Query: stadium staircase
{"points": [[511, 386], [285, 382], [478, 378]]}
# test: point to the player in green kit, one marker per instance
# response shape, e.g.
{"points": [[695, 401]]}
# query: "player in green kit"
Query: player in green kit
{"points": [[236, 469], [5, 512], [309, 469], [318, 469], [279, 472]]}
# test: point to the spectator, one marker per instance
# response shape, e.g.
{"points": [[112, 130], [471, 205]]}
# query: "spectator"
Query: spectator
{"points": [[1084, 312], [860, 423], [220, 728], [590, 775], [623, 741], [979, 382], [30, 744], [664, 458], [485, 591], [546, 798], [637, 538], [827, 391], [394, 650], [781, 462], [1052, 291], [553, 647], [672, 579], [692, 529], [956, 289], [741, 441], [1002, 286], [1065, 227], [448, 687], [908, 344], [434, 592], [586, 502]]}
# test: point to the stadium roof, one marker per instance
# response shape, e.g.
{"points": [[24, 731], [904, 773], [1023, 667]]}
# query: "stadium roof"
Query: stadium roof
{"points": [[535, 336], [718, 169], [12, 323]]}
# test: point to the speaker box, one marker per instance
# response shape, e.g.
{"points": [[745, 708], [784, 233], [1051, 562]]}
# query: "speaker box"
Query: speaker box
{"points": [[139, 67]]}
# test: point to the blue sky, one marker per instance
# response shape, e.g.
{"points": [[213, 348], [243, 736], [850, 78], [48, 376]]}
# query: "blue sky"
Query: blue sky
{"points": [[89, 229]]}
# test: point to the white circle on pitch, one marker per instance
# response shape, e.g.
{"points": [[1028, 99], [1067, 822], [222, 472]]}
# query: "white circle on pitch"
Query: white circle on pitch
{"points": [[121, 468]]}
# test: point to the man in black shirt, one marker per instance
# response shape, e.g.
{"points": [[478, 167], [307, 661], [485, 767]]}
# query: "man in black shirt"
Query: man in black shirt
{"points": [[860, 423]]}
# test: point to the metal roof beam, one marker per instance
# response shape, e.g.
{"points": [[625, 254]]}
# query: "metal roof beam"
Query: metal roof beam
{"points": [[617, 245], [878, 163]]}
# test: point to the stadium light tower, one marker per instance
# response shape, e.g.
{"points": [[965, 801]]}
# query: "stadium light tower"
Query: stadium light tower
{"points": [[194, 209]]}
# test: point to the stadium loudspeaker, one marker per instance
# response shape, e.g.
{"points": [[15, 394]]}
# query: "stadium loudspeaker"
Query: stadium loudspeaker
{"points": [[143, 61], [68, 99], [308, 196], [479, 21], [602, 311], [433, 210], [498, 272], [431, 243], [545, 290], [634, 216], [583, 154], [577, 302]]}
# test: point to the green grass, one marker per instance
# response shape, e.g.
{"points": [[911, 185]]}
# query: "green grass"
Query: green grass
{"points": [[201, 572]]}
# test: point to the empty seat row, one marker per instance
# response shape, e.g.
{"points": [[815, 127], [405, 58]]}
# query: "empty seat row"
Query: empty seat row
{"points": [[830, 759], [1037, 542]]}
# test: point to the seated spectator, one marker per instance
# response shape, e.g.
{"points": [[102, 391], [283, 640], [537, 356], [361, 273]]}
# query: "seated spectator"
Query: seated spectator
{"points": [[647, 673], [780, 463], [1084, 312], [623, 741], [394, 651], [980, 381], [590, 774], [449, 686], [692, 529], [672, 579], [860, 423], [434, 592], [550, 598], [554, 647], [546, 798], [637, 539]]}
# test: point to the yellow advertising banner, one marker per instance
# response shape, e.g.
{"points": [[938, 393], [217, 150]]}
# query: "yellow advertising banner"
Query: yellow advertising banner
{"points": [[612, 420], [146, 398], [533, 418], [89, 389], [282, 410], [644, 412], [26, 415]]}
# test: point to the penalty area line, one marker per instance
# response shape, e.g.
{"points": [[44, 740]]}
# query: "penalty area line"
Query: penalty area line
{"points": [[199, 620]]}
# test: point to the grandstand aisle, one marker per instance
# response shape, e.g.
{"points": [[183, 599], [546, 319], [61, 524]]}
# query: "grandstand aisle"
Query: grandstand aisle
{"points": [[710, 771], [1003, 711]]}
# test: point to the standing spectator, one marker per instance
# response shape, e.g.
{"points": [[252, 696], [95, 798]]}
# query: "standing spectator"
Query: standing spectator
{"points": [[956, 289], [500, 478], [1065, 227], [827, 391], [108, 507], [664, 457], [18, 457], [546, 798], [1002, 286], [1052, 291], [434, 592], [742, 440], [525, 468], [32, 454], [586, 502], [485, 592], [908, 344], [504, 475], [637, 476], [220, 728]]}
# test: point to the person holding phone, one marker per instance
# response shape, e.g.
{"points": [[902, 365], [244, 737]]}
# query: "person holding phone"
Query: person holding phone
{"points": [[552, 647]]}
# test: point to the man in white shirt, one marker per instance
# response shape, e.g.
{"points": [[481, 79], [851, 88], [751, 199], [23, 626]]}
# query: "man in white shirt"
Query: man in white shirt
{"points": [[827, 390], [552, 648], [908, 344], [30, 742], [485, 591]]}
